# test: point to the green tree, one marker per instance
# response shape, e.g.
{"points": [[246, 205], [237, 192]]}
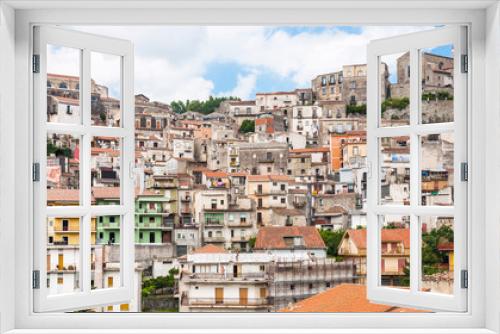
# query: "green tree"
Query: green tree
{"points": [[399, 103], [178, 107], [59, 151], [251, 242], [205, 107], [355, 109], [431, 255], [247, 126], [149, 286], [332, 241]]}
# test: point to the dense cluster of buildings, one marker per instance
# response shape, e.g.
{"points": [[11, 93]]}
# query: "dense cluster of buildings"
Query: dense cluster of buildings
{"points": [[240, 214]]}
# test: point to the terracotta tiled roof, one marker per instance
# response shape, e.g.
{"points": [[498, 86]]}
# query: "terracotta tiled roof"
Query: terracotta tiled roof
{"points": [[311, 150], [350, 133], [265, 120], [273, 237], [264, 178], [209, 249], [344, 298], [238, 174], [107, 151], [106, 192], [63, 195], [210, 174], [288, 212], [397, 234]]}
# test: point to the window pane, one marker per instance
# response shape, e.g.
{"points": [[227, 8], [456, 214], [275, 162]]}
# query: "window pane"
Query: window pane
{"points": [[395, 170], [437, 84], [395, 251], [105, 252], [105, 169], [63, 84], [437, 254], [63, 170], [106, 89], [63, 254], [436, 165], [394, 89]]}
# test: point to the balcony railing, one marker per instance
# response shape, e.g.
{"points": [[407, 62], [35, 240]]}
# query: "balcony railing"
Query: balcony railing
{"points": [[215, 239], [227, 302], [214, 222], [239, 223]]}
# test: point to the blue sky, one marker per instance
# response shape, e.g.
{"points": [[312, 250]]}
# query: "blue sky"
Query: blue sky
{"points": [[195, 62]]}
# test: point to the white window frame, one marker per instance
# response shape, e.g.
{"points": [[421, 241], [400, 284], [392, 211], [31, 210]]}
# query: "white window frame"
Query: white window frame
{"points": [[84, 131], [414, 43], [15, 35]]}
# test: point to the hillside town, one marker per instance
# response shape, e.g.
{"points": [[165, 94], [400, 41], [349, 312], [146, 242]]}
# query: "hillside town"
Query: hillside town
{"points": [[258, 205]]}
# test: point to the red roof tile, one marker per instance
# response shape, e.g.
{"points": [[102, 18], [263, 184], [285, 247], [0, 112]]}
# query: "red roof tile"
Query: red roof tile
{"points": [[396, 234], [209, 249], [344, 298], [273, 237]]}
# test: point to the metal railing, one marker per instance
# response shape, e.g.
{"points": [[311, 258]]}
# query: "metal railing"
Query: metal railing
{"points": [[228, 302]]}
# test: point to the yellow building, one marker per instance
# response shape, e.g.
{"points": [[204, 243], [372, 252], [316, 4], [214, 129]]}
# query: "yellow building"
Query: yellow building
{"points": [[66, 231]]}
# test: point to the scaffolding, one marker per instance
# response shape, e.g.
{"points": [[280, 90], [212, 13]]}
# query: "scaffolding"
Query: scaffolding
{"points": [[294, 280]]}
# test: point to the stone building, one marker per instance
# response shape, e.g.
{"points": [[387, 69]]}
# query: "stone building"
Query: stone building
{"points": [[263, 158]]}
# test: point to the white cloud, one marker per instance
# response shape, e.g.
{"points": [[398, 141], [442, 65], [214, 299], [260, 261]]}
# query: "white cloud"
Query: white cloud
{"points": [[170, 62], [245, 86]]}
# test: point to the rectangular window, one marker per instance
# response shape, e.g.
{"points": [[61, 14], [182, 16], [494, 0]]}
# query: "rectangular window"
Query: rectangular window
{"points": [[415, 208], [81, 154], [396, 170]]}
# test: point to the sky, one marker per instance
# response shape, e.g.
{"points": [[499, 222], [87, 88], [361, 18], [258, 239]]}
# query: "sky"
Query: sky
{"points": [[195, 62]]}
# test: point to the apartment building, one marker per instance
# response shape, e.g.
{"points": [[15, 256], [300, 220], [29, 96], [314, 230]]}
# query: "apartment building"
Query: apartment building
{"points": [[395, 252], [154, 217], [275, 100], [215, 280], [267, 158], [305, 121], [268, 192]]}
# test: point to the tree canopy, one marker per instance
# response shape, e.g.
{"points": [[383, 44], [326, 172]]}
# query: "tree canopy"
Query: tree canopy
{"points": [[247, 126], [332, 241], [205, 107]]}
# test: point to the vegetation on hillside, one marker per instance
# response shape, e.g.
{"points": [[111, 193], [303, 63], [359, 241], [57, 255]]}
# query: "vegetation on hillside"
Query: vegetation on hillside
{"points": [[58, 151], [204, 107], [437, 96], [247, 126], [149, 286], [332, 241], [355, 109], [399, 103]]}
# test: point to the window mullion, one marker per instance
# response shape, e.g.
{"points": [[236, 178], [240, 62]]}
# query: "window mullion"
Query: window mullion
{"points": [[86, 190], [414, 170]]}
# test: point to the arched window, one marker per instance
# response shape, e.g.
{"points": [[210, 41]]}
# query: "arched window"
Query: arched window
{"points": [[63, 85]]}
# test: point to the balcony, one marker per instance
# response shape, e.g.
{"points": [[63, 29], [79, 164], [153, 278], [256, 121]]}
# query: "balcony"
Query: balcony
{"points": [[266, 160], [219, 184], [240, 238], [214, 223], [239, 223], [214, 239], [226, 302], [234, 163], [299, 204], [252, 276]]}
